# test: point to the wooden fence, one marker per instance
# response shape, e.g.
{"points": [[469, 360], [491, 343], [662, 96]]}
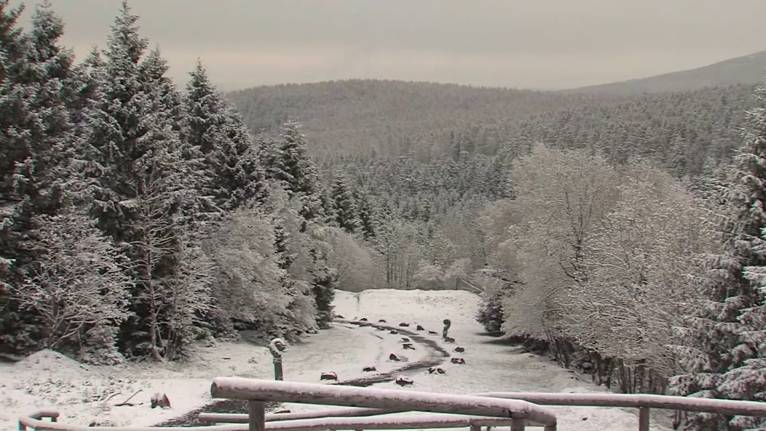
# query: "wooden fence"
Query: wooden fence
{"points": [[372, 408]]}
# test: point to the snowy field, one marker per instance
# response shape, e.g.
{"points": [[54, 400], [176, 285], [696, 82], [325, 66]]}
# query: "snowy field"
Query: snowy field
{"points": [[84, 394], [490, 366]]}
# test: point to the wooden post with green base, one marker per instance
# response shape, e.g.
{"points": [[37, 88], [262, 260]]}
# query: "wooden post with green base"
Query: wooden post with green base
{"points": [[276, 347]]}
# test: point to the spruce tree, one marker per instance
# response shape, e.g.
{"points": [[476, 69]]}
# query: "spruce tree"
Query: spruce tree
{"points": [[328, 207], [729, 361], [366, 215], [238, 177], [114, 123], [286, 160], [146, 195], [12, 150], [290, 162], [11, 41], [233, 175], [281, 238], [204, 110], [344, 205], [37, 96], [323, 284], [36, 127]]}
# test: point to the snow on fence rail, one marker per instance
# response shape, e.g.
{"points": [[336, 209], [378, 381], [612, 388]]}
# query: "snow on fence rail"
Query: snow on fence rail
{"points": [[389, 423], [724, 407], [334, 423], [256, 392], [35, 422], [643, 402], [275, 417], [492, 408]]}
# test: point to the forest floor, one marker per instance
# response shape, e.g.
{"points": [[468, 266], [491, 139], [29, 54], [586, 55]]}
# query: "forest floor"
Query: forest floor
{"points": [[88, 394]]}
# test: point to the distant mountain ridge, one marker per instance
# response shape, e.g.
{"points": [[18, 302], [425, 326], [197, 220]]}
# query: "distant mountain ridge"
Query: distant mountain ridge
{"points": [[694, 114], [352, 117], [747, 70]]}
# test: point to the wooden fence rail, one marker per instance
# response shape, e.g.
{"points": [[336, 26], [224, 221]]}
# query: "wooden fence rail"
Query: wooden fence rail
{"points": [[644, 402], [35, 422], [275, 417], [371, 408], [256, 392]]}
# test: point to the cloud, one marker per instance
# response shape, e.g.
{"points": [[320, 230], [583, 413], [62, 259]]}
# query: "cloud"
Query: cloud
{"points": [[515, 43]]}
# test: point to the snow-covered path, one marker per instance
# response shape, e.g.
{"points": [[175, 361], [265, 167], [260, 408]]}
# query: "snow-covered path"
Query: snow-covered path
{"points": [[82, 394], [346, 349], [490, 365]]}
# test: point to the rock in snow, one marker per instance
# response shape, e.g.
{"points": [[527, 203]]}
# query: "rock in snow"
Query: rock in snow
{"points": [[329, 375]]}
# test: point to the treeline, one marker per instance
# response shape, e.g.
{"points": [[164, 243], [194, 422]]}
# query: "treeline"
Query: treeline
{"points": [[137, 218], [624, 273], [371, 119], [689, 133], [624, 267], [608, 258], [423, 214], [686, 133]]}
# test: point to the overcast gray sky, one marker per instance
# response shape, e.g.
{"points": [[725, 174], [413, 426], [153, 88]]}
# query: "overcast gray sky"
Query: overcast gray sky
{"points": [[540, 44]]}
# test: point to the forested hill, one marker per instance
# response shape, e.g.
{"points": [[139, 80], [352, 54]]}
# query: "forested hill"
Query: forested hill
{"points": [[686, 131], [747, 70], [388, 118]]}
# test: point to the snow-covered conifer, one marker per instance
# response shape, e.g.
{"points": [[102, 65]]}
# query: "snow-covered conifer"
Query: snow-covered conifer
{"points": [[233, 175], [344, 205], [730, 338]]}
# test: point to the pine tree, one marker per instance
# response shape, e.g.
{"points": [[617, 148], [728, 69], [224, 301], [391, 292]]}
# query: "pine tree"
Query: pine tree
{"points": [[35, 123], [114, 122], [287, 161], [204, 110], [234, 176], [146, 198], [328, 207], [11, 41], [12, 150], [239, 178], [281, 238], [344, 205], [745, 378], [491, 315], [366, 215], [51, 86], [730, 359], [37, 95], [323, 284], [295, 161]]}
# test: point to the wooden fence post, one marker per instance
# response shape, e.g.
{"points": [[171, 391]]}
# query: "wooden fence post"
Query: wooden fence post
{"points": [[276, 347], [257, 415], [643, 418], [278, 369]]}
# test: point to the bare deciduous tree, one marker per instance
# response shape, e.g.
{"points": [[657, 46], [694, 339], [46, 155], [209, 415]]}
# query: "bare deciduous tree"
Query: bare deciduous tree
{"points": [[79, 281]]}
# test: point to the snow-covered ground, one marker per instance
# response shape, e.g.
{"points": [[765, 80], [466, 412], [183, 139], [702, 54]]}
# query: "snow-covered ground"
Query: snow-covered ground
{"points": [[490, 366], [84, 394]]}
